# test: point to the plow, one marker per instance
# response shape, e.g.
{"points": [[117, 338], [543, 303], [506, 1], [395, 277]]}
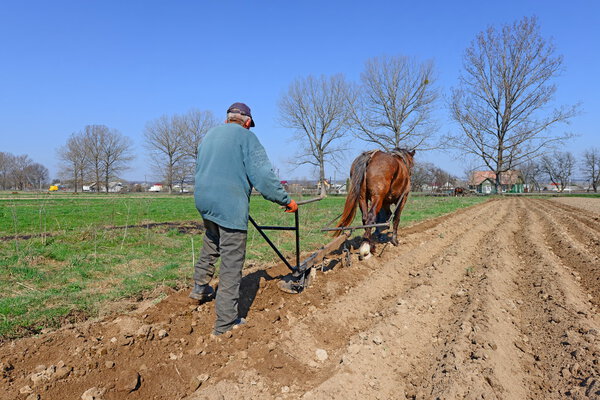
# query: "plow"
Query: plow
{"points": [[303, 271]]}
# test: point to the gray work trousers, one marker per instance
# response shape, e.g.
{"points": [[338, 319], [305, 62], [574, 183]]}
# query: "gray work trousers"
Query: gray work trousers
{"points": [[230, 245]]}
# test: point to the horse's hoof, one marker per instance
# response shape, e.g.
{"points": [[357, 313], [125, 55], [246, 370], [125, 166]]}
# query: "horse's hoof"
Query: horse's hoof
{"points": [[394, 241], [364, 250], [366, 257]]}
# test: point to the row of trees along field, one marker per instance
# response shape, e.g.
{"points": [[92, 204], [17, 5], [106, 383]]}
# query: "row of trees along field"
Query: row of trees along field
{"points": [[501, 107], [95, 154], [21, 172], [173, 140], [98, 154], [559, 167], [428, 175]]}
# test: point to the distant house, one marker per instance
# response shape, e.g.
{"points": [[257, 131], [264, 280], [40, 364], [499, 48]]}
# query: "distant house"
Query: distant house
{"points": [[568, 189], [157, 187], [185, 188], [485, 182], [339, 188], [113, 187]]}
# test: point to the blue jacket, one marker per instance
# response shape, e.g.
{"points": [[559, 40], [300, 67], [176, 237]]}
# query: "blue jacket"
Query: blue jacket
{"points": [[231, 161]]}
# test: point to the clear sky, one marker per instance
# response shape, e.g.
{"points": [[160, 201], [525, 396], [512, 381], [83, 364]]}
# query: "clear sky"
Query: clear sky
{"points": [[66, 64]]}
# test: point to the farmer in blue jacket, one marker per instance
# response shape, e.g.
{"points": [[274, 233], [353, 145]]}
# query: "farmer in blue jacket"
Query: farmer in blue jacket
{"points": [[231, 161]]}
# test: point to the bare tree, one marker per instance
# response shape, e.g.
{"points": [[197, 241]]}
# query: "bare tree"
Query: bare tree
{"points": [[107, 153], [395, 103], [421, 176], [502, 97], [196, 124], [183, 172], [533, 174], [6, 166], [37, 175], [442, 179], [173, 142], [115, 154], [164, 139], [590, 166], [93, 137], [18, 171], [74, 159], [559, 168], [316, 109], [21, 172], [470, 166]]}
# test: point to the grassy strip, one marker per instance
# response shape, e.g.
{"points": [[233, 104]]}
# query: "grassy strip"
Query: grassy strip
{"points": [[35, 216], [84, 268]]}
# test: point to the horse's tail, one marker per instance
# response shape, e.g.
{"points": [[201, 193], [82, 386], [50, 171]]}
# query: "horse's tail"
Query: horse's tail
{"points": [[357, 178]]}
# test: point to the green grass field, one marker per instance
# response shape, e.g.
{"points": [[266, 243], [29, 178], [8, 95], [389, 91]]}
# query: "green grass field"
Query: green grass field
{"points": [[81, 260]]}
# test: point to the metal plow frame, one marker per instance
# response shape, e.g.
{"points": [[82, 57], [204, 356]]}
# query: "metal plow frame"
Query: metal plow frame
{"points": [[300, 276]]}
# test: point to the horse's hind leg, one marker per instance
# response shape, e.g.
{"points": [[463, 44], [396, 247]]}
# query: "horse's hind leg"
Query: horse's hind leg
{"points": [[365, 246], [397, 214], [376, 203], [382, 216], [364, 210]]}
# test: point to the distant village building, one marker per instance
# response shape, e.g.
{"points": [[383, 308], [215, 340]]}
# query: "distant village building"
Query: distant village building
{"points": [[185, 188], [485, 182], [339, 188], [113, 187], [572, 187]]}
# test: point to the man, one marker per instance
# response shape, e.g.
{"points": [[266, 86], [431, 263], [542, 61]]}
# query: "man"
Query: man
{"points": [[231, 161]]}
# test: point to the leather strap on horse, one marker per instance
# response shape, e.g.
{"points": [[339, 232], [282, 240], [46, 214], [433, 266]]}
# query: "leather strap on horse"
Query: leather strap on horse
{"points": [[396, 209], [399, 154]]}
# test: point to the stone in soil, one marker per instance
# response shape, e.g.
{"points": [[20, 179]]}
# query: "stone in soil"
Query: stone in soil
{"points": [[321, 355], [93, 394]]}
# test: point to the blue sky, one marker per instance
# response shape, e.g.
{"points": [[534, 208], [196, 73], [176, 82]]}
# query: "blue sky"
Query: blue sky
{"points": [[66, 64]]}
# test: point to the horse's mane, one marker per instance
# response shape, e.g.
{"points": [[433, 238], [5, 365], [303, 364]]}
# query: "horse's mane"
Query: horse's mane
{"points": [[406, 155]]}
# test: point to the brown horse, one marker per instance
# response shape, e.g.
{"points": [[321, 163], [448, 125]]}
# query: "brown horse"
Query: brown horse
{"points": [[459, 191], [379, 180]]}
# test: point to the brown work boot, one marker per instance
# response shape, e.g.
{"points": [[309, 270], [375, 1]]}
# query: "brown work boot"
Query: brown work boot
{"points": [[202, 292]]}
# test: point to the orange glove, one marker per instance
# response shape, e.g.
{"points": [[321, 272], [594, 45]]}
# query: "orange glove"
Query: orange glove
{"points": [[291, 207]]}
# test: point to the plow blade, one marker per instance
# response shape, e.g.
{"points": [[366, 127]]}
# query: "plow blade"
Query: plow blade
{"points": [[297, 281]]}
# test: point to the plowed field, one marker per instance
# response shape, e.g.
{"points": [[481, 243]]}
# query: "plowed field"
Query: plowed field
{"points": [[497, 301]]}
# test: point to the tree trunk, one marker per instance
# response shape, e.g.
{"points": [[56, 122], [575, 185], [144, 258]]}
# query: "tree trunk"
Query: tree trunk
{"points": [[322, 178], [75, 177], [170, 176], [497, 183]]}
